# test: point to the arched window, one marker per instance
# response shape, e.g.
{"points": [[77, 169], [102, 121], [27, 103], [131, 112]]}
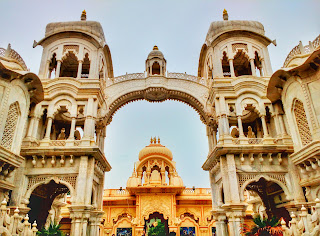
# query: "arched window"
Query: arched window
{"points": [[302, 122], [225, 65], [10, 126], [69, 66], [241, 64], [258, 63], [85, 67], [52, 65], [156, 68]]}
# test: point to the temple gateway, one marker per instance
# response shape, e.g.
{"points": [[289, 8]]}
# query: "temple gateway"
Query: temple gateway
{"points": [[263, 131]]}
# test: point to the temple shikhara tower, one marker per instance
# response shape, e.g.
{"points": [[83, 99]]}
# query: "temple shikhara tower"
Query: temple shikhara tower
{"points": [[263, 131]]}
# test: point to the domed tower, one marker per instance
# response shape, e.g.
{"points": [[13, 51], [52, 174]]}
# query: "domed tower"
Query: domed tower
{"points": [[156, 64], [155, 168], [64, 146], [234, 48], [75, 49]]}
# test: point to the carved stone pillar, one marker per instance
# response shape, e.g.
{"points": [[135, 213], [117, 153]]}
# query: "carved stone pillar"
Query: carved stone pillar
{"points": [[253, 67], [58, 68], [72, 128], [30, 128], [79, 69], [48, 130], [264, 126], [35, 127], [231, 68], [241, 134], [79, 219]]}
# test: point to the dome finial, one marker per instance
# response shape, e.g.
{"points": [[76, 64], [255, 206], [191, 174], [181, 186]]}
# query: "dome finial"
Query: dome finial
{"points": [[225, 15], [155, 47], [158, 139], [84, 15]]}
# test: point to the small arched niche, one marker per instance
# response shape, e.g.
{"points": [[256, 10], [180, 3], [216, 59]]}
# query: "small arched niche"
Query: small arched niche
{"points": [[156, 68]]}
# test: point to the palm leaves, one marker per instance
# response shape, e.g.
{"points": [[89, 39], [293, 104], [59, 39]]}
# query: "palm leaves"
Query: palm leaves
{"points": [[263, 227], [53, 230]]}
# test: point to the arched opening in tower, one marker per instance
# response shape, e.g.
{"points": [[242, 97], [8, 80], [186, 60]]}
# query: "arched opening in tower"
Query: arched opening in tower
{"points": [[45, 203], [225, 65], [271, 196], [85, 67], [69, 66], [156, 68], [241, 64]]}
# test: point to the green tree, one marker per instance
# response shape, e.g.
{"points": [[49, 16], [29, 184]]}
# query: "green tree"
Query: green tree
{"points": [[53, 230], [157, 230], [263, 227]]}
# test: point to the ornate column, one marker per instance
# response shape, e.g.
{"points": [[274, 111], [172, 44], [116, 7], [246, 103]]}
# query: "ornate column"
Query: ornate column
{"points": [[253, 67], [58, 68], [221, 226], [88, 125], [30, 128], [79, 69], [72, 128], [264, 126], [210, 138], [48, 130], [241, 134], [276, 123], [35, 126], [282, 126], [231, 68], [46, 70]]}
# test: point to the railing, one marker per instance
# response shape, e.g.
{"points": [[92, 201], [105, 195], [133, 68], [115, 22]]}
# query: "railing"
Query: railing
{"points": [[170, 75], [197, 191], [13, 225], [185, 76], [116, 192], [305, 224], [248, 140], [300, 49]]}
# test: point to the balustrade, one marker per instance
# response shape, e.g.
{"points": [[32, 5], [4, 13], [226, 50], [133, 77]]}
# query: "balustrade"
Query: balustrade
{"points": [[15, 225], [304, 224], [171, 75]]}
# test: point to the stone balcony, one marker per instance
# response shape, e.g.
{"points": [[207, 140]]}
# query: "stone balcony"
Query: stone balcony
{"points": [[308, 161], [250, 150]]}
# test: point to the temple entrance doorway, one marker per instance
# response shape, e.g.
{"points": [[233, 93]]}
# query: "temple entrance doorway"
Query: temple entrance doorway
{"points": [[45, 203], [157, 224], [272, 196]]}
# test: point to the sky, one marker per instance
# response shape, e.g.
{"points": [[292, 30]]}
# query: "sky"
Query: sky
{"points": [[178, 28]]}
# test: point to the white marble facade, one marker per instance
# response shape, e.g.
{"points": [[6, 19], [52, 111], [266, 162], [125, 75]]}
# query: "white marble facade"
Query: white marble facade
{"points": [[263, 127]]}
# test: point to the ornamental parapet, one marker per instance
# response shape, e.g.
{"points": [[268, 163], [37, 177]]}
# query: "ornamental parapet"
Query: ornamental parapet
{"points": [[170, 75], [301, 50]]}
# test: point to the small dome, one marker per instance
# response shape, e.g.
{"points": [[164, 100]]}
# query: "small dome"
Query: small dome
{"points": [[155, 53], [155, 148]]}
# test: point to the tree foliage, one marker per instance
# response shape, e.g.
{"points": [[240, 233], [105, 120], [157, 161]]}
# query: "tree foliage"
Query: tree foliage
{"points": [[263, 227], [158, 230], [53, 230]]}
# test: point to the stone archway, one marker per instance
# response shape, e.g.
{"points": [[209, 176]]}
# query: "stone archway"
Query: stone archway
{"points": [[41, 202], [156, 217], [272, 196]]}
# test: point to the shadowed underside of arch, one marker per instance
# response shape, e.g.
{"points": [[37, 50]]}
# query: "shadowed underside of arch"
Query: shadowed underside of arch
{"points": [[158, 95]]}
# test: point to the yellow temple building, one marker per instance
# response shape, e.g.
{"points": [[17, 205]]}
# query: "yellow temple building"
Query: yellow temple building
{"points": [[154, 193]]}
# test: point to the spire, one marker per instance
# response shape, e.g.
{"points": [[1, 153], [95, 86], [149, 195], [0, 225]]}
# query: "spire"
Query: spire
{"points": [[155, 47], [225, 15], [84, 15], [8, 51], [159, 140]]}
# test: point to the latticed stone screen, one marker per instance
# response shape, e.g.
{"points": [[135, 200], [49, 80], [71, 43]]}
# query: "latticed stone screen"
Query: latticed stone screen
{"points": [[10, 126], [302, 123]]}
